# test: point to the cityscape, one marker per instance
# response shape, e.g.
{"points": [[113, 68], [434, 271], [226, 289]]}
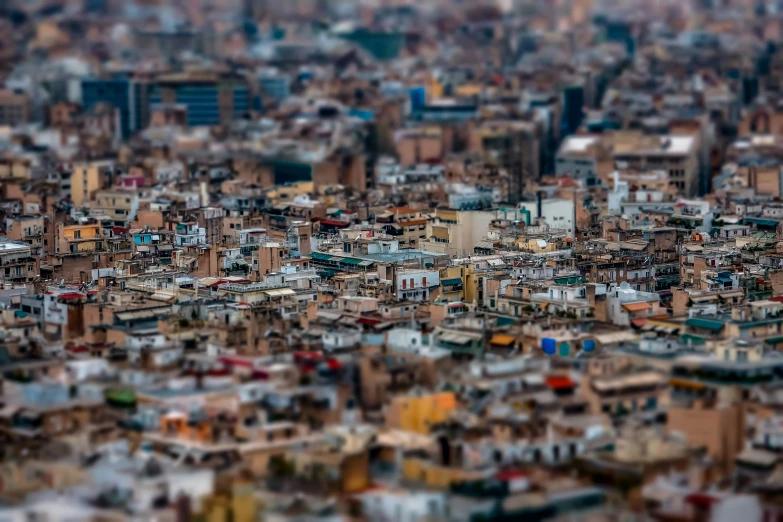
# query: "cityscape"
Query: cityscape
{"points": [[391, 260]]}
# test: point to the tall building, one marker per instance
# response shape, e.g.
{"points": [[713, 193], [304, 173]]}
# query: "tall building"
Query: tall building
{"points": [[275, 85], [211, 99], [87, 179], [513, 146], [677, 155], [15, 107], [127, 96]]}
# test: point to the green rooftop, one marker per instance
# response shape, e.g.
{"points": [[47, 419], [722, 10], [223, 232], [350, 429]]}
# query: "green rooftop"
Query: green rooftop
{"points": [[321, 257], [705, 324], [571, 280], [695, 340]]}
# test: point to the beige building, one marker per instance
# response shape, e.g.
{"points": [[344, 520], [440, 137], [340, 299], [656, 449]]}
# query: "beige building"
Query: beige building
{"points": [[405, 224], [456, 232], [676, 154], [419, 145], [719, 427], [87, 179], [119, 205], [15, 107]]}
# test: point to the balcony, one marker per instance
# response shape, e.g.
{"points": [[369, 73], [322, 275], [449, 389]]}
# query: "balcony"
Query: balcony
{"points": [[32, 233], [83, 239], [16, 262]]}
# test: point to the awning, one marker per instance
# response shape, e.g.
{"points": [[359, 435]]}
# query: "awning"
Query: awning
{"points": [[186, 260], [277, 292], [440, 232], [350, 261], [629, 381], [684, 383], [71, 295], [637, 307], [455, 338], [135, 315], [318, 256], [621, 336], [369, 321], [333, 223], [502, 339], [571, 280], [143, 249], [559, 382], [690, 339], [705, 324], [165, 248], [209, 281], [452, 281]]}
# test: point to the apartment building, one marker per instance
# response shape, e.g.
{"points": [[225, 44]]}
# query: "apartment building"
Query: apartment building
{"points": [[675, 154]]}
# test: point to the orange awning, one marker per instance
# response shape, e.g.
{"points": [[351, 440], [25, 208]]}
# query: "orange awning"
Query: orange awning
{"points": [[637, 307], [502, 340]]}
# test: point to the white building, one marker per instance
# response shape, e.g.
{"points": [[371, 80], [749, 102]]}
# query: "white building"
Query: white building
{"points": [[416, 284], [190, 233], [620, 199], [404, 506], [624, 303], [558, 213], [341, 339], [407, 339], [575, 158], [54, 312], [81, 369]]}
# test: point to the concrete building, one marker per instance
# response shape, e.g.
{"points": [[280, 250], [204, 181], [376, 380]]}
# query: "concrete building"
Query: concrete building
{"points": [[677, 155], [15, 108], [87, 179]]}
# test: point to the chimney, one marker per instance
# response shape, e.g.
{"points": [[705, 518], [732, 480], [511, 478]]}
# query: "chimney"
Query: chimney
{"points": [[539, 204], [204, 194]]}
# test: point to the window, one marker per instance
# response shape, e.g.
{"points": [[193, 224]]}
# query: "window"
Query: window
{"points": [[77, 234]]}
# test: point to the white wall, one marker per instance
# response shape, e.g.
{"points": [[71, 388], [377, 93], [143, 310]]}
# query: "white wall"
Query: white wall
{"points": [[558, 213], [408, 507]]}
